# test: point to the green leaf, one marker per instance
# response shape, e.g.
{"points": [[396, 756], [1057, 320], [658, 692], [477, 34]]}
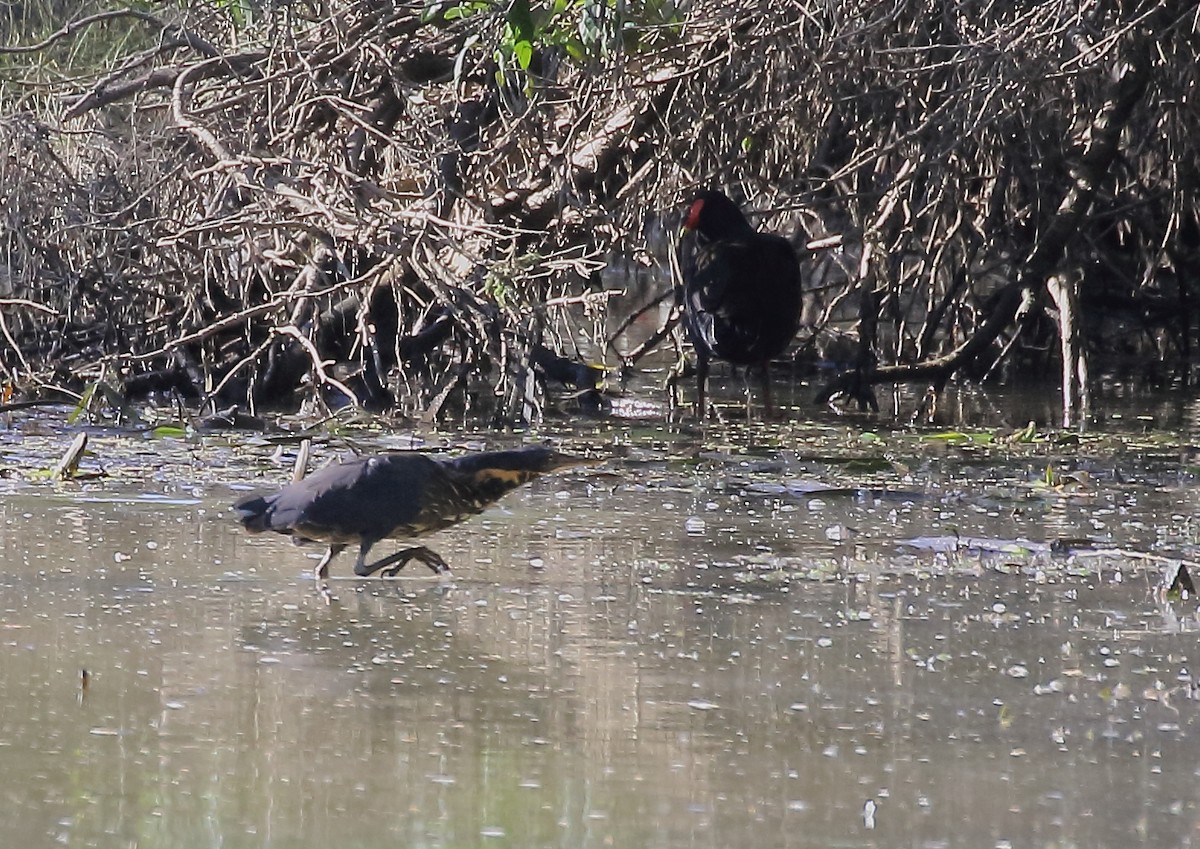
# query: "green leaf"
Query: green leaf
{"points": [[948, 436], [1026, 434], [867, 465], [85, 401], [430, 12], [960, 436], [576, 49], [436, 11], [169, 432], [523, 50]]}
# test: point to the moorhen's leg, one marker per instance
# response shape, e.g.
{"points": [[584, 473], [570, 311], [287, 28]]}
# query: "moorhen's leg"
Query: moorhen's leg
{"points": [[701, 383], [765, 371]]}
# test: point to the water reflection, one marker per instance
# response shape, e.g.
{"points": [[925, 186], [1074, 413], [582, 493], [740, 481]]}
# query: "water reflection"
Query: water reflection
{"points": [[686, 651]]}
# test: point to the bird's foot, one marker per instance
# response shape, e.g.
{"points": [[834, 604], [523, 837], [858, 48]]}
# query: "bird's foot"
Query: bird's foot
{"points": [[421, 554], [431, 559], [711, 412]]}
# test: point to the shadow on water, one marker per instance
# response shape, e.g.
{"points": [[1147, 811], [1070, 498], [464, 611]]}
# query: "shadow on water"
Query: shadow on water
{"points": [[794, 635]]}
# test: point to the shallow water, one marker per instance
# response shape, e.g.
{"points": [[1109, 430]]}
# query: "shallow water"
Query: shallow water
{"points": [[716, 638]]}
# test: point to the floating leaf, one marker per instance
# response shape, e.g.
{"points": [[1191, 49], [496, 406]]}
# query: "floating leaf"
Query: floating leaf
{"points": [[981, 438], [864, 465], [169, 432], [949, 436]]}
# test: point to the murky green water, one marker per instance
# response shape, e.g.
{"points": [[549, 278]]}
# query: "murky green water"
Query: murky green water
{"points": [[718, 639]]}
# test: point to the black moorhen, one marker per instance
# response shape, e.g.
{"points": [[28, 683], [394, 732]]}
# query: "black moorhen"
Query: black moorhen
{"points": [[741, 295]]}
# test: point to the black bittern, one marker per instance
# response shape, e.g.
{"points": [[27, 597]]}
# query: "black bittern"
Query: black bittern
{"points": [[393, 496]]}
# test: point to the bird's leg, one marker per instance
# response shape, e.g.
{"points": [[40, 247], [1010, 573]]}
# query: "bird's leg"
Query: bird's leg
{"points": [[401, 558], [672, 385], [678, 371], [747, 392], [701, 384], [360, 564], [425, 555], [322, 570], [765, 371]]}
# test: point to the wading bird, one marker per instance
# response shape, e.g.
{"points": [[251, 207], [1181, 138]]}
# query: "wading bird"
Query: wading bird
{"points": [[393, 496], [741, 293]]}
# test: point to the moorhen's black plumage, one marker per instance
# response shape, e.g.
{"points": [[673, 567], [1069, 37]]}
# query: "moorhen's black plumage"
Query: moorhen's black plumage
{"points": [[741, 295], [393, 496]]}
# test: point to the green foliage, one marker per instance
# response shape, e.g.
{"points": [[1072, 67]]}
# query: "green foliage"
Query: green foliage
{"points": [[98, 47], [1026, 435], [519, 32], [867, 465], [170, 431], [508, 281], [584, 30], [241, 12], [496, 288], [85, 401], [436, 11], [979, 438]]}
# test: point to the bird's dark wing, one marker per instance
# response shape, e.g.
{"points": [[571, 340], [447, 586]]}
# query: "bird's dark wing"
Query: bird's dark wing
{"points": [[372, 498], [742, 297], [706, 276]]}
